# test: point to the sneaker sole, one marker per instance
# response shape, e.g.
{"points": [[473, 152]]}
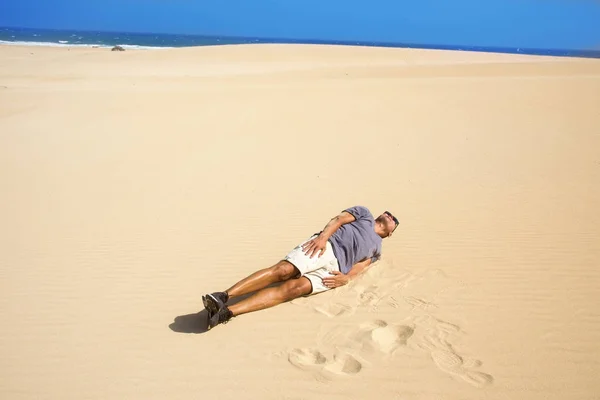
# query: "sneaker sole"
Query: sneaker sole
{"points": [[212, 306]]}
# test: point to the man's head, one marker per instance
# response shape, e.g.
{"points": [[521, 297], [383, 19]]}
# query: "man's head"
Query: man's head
{"points": [[386, 224]]}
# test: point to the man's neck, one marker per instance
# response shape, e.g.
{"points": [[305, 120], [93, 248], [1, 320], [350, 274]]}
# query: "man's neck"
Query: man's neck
{"points": [[379, 229]]}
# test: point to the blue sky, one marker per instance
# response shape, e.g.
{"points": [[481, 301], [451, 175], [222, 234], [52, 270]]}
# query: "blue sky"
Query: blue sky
{"points": [[568, 24]]}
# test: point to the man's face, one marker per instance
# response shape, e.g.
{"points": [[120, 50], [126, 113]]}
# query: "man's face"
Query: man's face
{"points": [[388, 221]]}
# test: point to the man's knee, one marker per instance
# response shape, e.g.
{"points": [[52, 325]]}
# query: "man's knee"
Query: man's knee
{"points": [[296, 287], [284, 270]]}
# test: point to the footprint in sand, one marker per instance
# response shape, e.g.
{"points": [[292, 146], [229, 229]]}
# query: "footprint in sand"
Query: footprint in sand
{"points": [[369, 296], [477, 379], [472, 363], [452, 363], [335, 309], [380, 336], [342, 364], [447, 360], [306, 359], [353, 350]]}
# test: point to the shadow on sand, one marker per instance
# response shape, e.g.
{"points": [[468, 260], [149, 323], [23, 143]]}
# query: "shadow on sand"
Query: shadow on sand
{"points": [[198, 322], [191, 323]]}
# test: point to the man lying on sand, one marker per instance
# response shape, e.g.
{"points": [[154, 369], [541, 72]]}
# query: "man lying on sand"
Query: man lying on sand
{"points": [[349, 243]]}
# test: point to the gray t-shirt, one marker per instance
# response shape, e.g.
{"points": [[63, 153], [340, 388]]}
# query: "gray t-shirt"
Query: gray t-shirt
{"points": [[356, 241]]}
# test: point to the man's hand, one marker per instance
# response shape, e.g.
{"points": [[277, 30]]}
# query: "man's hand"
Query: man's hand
{"points": [[317, 245], [314, 246], [338, 279]]}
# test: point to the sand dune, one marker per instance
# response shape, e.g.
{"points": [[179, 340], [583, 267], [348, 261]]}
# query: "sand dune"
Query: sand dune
{"points": [[133, 183]]}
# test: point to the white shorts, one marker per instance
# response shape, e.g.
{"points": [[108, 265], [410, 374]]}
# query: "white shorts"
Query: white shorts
{"points": [[316, 268]]}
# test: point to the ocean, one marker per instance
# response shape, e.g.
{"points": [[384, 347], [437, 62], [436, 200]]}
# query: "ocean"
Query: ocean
{"points": [[132, 40]]}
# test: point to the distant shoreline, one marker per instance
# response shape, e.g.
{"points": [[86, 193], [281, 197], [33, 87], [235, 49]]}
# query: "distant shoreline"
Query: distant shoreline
{"points": [[132, 40]]}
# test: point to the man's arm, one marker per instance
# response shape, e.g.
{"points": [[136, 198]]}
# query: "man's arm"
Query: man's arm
{"points": [[334, 224], [339, 279], [358, 268], [317, 245]]}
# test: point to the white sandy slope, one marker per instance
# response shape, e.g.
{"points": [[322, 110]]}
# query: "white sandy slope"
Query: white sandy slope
{"points": [[132, 183]]}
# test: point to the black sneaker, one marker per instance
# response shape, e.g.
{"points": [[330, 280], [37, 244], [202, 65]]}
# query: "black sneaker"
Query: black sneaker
{"points": [[221, 317], [223, 296], [213, 303]]}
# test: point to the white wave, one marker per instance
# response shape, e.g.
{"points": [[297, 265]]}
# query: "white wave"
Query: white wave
{"points": [[136, 47], [104, 46], [46, 44], [63, 41]]}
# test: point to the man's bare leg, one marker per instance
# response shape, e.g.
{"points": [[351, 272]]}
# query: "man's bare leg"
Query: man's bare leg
{"points": [[219, 313], [279, 272], [270, 297]]}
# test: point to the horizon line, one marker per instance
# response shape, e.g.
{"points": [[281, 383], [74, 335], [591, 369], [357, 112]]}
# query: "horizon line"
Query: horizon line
{"points": [[587, 53]]}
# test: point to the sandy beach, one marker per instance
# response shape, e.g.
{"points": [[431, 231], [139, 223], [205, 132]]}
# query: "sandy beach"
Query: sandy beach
{"points": [[134, 182]]}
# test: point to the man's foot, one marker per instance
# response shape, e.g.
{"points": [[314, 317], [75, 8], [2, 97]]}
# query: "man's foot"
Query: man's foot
{"points": [[211, 300], [223, 296], [221, 317], [214, 302]]}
